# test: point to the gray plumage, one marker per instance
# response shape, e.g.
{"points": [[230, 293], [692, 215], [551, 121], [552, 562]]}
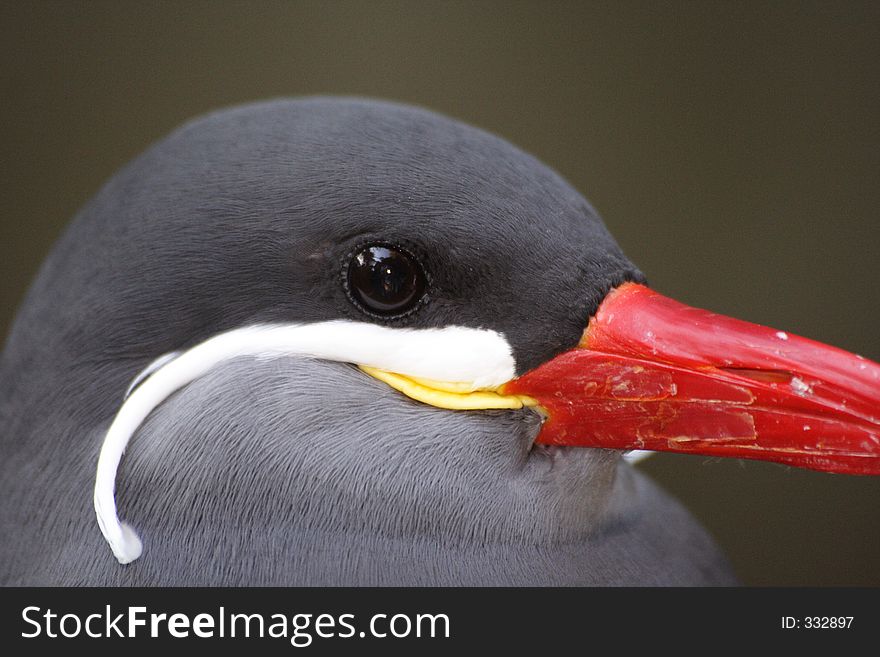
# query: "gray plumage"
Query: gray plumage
{"points": [[296, 471], [272, 473]]}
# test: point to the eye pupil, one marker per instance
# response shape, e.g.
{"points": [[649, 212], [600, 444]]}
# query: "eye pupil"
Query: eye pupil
{"points": [[385, 280]]}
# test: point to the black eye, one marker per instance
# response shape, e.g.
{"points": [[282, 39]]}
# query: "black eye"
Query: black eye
{"points": [[385, 280]]}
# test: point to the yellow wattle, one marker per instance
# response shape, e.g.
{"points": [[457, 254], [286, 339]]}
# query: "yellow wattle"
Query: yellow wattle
{"points": [[453, 396]]}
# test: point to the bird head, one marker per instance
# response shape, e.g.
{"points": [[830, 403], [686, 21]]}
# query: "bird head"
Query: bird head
{"points": [[369, 293]]}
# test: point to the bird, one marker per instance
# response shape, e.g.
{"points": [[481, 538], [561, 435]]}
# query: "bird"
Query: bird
{"points": [[341, 341]]}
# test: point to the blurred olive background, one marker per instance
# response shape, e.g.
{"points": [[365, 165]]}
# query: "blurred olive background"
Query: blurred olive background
{"points": [[732, 148]]}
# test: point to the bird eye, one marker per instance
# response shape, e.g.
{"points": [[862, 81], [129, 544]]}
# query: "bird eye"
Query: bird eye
{"points": [[385, 280]]}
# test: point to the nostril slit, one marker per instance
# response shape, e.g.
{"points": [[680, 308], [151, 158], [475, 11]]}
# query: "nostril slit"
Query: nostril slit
{"points": [[764, 376]]}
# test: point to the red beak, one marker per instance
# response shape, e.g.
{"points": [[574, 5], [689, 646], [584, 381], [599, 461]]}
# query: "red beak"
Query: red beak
{"points": [[652, 373]]}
